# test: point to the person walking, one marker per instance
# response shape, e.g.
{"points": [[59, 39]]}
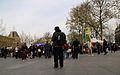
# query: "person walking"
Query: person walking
{"points": [[66, 54], [4, 52], [47, 50], [24, 50], [105, 47], [16, 52], [76, 48], [98, 47], [58, 39], [90, 49], [114, 47]]}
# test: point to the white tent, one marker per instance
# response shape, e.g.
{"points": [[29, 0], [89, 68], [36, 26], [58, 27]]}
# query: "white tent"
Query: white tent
{"points": [[94, 40]]}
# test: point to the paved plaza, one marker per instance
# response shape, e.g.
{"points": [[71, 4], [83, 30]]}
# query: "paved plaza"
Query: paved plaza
{"points": [[86, 65]]}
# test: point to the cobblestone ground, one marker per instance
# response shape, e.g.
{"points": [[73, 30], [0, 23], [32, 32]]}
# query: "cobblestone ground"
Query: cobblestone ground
{"points": [[86, 65]]}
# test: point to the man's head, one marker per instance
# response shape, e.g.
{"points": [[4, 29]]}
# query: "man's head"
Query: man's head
{"points": [[57, 29]]}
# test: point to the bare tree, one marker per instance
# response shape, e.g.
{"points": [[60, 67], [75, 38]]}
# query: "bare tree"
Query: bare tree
{"points": [[26, 38], [116, 9], [109, 34], [102, 11], [46, 37]]}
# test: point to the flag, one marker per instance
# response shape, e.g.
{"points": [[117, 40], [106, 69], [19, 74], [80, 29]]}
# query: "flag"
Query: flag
{"points": [[85, 39]]}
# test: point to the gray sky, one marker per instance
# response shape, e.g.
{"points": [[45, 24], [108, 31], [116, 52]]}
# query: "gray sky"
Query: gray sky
{"points": [[35, 16]]}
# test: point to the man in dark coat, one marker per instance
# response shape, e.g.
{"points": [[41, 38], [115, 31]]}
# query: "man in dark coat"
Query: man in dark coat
{"points": [[105, 47], [24, 51], [47, 50], [59, 39], [76, 48]]}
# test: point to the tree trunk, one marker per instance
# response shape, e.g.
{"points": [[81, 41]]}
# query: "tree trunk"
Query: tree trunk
{"points": [[101, 27]]}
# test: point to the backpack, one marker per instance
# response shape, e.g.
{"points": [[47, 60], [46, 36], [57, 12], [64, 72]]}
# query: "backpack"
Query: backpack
{"points": [[60, 38]]}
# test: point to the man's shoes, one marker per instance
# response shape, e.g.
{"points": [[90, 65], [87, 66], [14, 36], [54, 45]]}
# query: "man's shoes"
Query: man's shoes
{"points": [[55, 67], [61, 67], [105, 53]]}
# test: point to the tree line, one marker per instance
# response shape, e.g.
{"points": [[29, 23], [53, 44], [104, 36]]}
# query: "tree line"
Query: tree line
{"points": [[94, 14]]}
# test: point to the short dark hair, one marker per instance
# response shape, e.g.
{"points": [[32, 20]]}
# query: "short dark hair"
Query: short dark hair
{"points": [[57, 29]]}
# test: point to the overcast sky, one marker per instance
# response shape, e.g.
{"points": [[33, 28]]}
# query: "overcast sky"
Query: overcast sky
{"points": [[35, 16]]}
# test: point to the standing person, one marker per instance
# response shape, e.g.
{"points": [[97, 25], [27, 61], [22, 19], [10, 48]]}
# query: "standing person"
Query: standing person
{"points": [[39, 51], [90, 48], [33, 51], [4, 52], [66, 47], [98, 47], [24, 51], [16, 52], [105, 47], [59, 39], [114, 47], [47, 50], [76, 48]]}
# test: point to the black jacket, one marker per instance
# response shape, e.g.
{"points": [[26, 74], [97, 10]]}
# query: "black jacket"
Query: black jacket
{"points": [[61, 42]]}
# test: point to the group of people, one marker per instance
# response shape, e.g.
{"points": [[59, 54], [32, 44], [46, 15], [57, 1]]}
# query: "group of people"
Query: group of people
{"points": [[99, 48], [59, 49], [25, 52]]}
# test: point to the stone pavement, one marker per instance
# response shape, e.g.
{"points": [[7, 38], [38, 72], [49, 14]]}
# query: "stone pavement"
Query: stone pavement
{"points": [[86, 65]]}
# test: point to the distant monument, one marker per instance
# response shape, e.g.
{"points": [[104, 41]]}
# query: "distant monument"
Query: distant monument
{"points": [[11, 40], [13, 34]]}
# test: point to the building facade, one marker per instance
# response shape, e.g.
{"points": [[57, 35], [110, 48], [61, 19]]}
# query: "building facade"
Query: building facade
{"points": [[117, 35], [10, 41]]}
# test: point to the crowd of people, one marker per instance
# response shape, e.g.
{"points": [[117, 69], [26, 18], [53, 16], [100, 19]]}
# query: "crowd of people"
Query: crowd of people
{"points": [[47, 50], [59, 49], [27, 52]]}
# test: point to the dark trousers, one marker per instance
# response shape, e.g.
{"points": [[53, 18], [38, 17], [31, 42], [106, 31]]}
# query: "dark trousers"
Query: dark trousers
{"points": [[104, 49], [58, 56], [16, 55], [75, 53]]}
